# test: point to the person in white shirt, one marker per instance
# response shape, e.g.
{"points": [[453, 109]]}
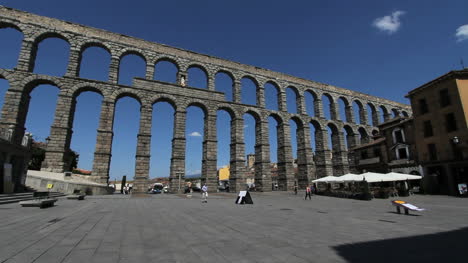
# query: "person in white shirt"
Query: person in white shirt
{"points": [[204, 194]]}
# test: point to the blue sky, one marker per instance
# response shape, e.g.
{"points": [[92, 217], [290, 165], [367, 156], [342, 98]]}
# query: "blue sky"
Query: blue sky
{"points": [[384, 48]]}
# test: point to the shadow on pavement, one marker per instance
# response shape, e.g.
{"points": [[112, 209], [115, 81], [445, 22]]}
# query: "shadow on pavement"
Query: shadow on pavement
{"points": [[441, 247]]}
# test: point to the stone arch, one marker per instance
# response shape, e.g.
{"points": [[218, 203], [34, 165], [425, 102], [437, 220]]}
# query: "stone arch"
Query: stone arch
{"points": [[166, 98], [205, 72], [315, 104], [130, 51], [317, 125], [396, 112], [255, 114], [168, 59], [107, 55], [94, 43], [198, 103], [126, 92], [359, 112], [350, 137], [330, 111], [76, 90], [42, 37], [345, 109], [243, 89], [297, 102], [277, 96], [131, 64], [25, 100], [299, 122], [166, 69], [92, 88], [333, 126], [278, 118], [333, 130], [363, 135], [372, 113], [30, 83], [200, 66], [384, 114], [405, 113], [233, 113], [11, 24], [227, 72], [17, 39], [221, 79]]}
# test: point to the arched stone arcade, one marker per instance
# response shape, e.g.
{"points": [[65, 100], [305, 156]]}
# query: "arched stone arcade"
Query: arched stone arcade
{"points": [[180, 95]]}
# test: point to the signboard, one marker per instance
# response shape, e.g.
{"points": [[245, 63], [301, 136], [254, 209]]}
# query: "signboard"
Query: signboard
{"points": [[50, 186], [462, 189], [244, 198]]}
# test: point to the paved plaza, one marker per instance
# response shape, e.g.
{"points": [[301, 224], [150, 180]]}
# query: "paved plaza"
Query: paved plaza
{"points": [[279, 227]]}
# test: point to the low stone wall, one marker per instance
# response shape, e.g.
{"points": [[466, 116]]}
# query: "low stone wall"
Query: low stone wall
{"points": [[39, 181]]}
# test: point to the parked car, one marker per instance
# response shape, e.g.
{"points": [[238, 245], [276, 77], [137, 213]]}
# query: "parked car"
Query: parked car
{"points": [[155, 191], [157, 188]]}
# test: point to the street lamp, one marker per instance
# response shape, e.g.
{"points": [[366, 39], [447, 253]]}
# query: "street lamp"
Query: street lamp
{"points": [[455, 140]]}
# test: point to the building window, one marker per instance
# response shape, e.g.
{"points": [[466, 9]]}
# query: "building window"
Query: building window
{"points": [[402, 153], [423, 106], [398, 136], [450, 122], [444, 98], [432, 152], [428, 129], [364, 155], [376, 152]]}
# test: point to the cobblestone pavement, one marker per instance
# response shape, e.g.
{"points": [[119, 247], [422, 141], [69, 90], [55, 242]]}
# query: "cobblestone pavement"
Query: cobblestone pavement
{"points": [[279, 227]]}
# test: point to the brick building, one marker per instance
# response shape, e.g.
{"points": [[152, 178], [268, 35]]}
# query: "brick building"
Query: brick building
{"points": [[391, 150], [14, 160], [440, 112]]}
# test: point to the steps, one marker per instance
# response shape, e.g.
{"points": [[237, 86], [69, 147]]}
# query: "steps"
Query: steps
{"points": [[17, 197]]}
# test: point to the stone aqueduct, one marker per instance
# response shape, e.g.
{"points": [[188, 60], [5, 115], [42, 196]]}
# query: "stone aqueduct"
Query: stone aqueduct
{"points": [[148, 91]]}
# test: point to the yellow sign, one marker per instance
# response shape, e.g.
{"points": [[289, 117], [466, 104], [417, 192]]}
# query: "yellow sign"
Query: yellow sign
{"points": [[50, 186]]}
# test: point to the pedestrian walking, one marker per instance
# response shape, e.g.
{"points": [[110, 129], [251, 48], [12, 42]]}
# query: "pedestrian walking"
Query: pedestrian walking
{"points": [[204, 193], [308, 193], [295, 189]]}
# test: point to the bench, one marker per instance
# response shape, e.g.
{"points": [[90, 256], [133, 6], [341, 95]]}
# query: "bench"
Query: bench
{"points": [[77, 195], [40, 199], [402, 204]]}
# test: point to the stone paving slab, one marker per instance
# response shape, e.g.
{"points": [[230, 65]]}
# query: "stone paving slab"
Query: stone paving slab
{"points": [[278, 227]]}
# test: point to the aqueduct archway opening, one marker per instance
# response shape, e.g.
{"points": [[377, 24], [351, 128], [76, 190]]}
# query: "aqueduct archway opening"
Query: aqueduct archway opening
{"points": [[329, 112]]}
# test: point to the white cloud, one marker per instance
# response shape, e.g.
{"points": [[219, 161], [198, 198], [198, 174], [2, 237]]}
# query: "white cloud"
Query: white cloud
{"points": [[195, 134], [389, 24], [462, 33]]}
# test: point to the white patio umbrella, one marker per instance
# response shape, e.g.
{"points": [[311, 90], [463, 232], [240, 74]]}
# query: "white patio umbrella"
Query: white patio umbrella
{"points": [[376, 177], [404, 177], [350, 178], [325, 179]]}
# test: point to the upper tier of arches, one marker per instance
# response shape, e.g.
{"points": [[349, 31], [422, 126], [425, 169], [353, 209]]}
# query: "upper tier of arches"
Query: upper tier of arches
{"points": [[371, 110]]}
